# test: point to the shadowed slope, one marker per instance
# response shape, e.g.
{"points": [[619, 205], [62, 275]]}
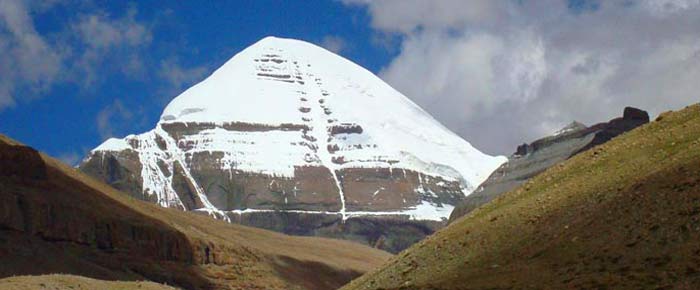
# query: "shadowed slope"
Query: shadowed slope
{"points": [[54, 219], [536, 157], [622, 215]]}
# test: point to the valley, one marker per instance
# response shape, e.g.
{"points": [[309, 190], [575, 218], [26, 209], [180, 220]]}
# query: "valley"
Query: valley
{"points": [[373, 146], [55, 219]]}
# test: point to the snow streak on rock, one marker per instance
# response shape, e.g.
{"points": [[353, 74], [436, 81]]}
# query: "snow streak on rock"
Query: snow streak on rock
{"points": [[283, 105]]}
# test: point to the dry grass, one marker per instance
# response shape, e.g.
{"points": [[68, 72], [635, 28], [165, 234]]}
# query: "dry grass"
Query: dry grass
{"points": [[625, 215], [239, 257], [63, 282], [339, 254]]}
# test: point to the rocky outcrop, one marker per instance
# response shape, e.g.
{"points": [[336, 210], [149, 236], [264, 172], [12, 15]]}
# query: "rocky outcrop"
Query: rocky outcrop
{"points": [[631, 118], [392, 234], [37, 213], [534, 158], [286, 126], [122, 171], [21, 162], [54, 219], [311, 187], [623, 215], [308, 204]]}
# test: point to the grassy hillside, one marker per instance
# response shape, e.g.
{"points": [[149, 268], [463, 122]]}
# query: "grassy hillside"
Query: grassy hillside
{"points": [[61, 282], [54, 219], [622, 215]]}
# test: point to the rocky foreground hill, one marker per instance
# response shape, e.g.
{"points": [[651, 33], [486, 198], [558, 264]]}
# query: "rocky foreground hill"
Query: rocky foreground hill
{"points": [[536, 157], [623, 215], [290, 137], [55, 219]]}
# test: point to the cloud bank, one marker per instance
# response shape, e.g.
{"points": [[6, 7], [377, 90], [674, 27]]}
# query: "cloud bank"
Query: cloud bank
{"points": [[500, 73]]}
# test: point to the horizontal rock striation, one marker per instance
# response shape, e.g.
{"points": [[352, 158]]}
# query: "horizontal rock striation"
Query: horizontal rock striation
{"points": [[54, 219], [392, 234], [288, 126], [196, 181], [73, 220]]}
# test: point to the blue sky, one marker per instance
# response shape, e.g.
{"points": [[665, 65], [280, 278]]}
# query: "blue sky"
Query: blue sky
{"points": [[191, 38], [497, 73]]}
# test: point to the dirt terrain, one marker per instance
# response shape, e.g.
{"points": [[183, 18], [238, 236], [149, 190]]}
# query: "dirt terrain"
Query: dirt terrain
{"points": [[54, 219], [56, 282], [624, 215]]}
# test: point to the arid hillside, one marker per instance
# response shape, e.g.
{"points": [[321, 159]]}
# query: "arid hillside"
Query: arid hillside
{"points": [[54, 219], [73, 282], [624, 215]]}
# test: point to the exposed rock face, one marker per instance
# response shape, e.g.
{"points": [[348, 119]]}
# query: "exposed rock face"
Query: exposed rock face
{"points": [[35, 211], [618, 216], [122, 170], [632, 118], [288, 127], [54, 219], [21, 162], [390, 233], [534, 158]]}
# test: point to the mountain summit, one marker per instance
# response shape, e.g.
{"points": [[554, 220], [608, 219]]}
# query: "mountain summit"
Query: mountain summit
{"points": [[287, 126]]}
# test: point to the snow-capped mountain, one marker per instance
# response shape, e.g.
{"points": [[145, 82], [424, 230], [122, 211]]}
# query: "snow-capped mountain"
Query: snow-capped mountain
{"points": [[287, 125]]}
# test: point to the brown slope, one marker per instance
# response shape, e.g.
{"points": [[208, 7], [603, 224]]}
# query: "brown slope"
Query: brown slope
{"points": [[624, 215], [54, 219], [61, 282], [536, 157]]}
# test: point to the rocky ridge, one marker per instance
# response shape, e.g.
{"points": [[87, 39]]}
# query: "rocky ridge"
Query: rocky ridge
{"points": [[623, 215], [291, 137], [54, 219], [531, 159]]}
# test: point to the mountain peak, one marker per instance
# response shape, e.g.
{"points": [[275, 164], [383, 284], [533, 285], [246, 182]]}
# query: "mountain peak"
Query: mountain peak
{"points": [[280, 42], [280, 82], [285, 124], [255, 81], [571, 127]]}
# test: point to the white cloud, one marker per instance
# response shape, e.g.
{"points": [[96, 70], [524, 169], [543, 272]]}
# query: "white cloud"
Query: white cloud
{"points": [[100, 32], [500, 73], [70, 158], [407, 15], [31, 63], [335, 44], [178, 77], [84, 50], [102, 37], [27, 63], [115, 113], [666, 7]]}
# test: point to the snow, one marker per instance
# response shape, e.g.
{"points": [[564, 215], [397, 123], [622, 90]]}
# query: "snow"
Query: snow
{"points": [[113, 144], [423, 211], [284, 83], [574, 126], [155, 182], [179, 157], [260, 152], [377, 191], [254, 87]]}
